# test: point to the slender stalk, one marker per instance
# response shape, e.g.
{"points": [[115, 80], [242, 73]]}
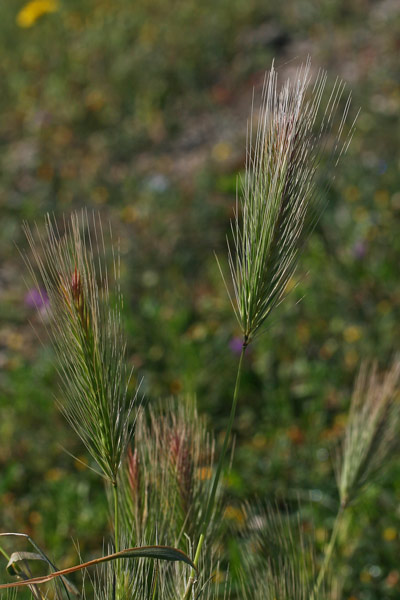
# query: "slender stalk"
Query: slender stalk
{"points": [[217, 476], [192, 577], [118, 579], [198, 551], [155, 585], [116, 518], [211, 500], [328, 552]]}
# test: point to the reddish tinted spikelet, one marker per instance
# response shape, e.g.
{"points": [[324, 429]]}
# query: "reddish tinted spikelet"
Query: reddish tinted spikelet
{"points": [[182, 463], [133, 471]]}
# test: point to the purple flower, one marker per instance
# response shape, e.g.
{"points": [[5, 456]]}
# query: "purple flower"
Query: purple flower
{"points": [[359, 250], [235, 345], [36, 298]]}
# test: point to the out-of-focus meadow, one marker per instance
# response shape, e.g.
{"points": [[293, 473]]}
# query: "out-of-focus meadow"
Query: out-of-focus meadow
{"points": [[138, 110]]}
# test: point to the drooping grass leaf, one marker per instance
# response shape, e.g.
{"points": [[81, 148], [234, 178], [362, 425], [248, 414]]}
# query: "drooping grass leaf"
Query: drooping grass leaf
{"points": [[18, 557], [155, 552], [67, 585]]}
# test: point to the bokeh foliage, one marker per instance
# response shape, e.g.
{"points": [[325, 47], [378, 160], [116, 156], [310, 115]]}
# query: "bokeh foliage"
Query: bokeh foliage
{"points": [[139, 110]]}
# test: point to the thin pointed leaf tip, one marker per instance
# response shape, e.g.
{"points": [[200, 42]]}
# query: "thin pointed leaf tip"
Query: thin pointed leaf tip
{"points": [[278, 202], [84, 321]]}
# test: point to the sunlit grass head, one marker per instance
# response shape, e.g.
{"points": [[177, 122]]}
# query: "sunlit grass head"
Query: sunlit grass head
{"points": [[278, 199], [84, 321]]}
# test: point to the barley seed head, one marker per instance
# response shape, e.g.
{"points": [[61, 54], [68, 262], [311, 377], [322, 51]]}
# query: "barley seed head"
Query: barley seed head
{"points": [[278, 201]]}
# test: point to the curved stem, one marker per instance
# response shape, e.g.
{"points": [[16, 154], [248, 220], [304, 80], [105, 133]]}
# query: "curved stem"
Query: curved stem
{"points": [[328, 552]]}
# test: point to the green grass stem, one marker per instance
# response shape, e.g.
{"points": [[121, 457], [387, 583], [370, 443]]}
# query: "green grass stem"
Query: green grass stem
{"points": [[4, 553], [192, 577], [116, 517], [328, 552], [217, 476]]}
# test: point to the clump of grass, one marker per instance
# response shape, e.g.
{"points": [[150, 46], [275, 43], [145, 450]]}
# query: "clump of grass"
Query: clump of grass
{"points": [[84, 319], [164, 484]]}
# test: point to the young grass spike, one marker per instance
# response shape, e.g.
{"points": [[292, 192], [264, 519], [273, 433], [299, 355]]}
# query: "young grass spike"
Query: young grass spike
{"points": [[371, 433], [372, 428], [278, 201], [85, 326]]}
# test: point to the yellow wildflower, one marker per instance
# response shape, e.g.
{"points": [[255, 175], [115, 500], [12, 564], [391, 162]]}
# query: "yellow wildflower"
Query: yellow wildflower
{"points": [[30, 12], [54, 474], [234, 514], [352, 334], [389, 534], [222, 151]]}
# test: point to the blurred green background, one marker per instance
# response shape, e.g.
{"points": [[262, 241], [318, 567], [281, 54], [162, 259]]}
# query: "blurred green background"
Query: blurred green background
{"points": [[139, 110]]}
